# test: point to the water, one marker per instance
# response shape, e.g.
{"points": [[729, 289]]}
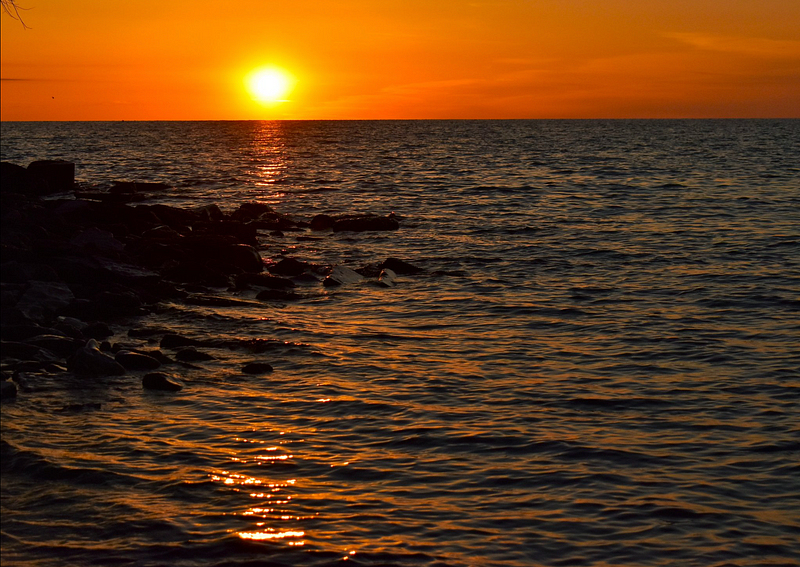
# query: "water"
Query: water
{"points": [[598, 366]]}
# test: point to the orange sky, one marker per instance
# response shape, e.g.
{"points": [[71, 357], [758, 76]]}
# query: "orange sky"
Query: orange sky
{"points": [[370, 59]]}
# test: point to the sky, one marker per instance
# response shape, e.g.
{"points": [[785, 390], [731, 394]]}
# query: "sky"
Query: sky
{"points": [[400, 59]]}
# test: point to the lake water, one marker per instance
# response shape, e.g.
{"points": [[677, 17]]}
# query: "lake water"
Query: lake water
{"points": [[598, 365]]}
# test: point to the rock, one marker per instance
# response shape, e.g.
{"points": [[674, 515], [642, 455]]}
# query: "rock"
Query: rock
{"points": [[136, 361], [288, 267], [243, 257], [160, 381], [109, 304], [322, 222], [59, 345], [22, 332], [89, 361], [250, 211], [257, 368], [362, 223], [56, 176], [8, 390], [341, 275], [191, 354], [97, 330], [162, 232], [42, 300], [387, 278], [94, 238], [400, 267], [210, 213]]}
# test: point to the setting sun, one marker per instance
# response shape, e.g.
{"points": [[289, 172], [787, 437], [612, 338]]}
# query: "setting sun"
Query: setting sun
{"points": [[269, 85]]}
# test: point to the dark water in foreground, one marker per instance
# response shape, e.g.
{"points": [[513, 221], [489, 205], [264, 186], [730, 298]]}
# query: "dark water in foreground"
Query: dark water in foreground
{"points": [[599, 365]]}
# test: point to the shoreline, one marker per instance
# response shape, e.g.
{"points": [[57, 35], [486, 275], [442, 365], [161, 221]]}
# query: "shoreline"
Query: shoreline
{"points": [[74, 266]]}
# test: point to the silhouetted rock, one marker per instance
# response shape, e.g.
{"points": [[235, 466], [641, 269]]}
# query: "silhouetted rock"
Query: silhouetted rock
{"points": [[400, 266], [136, 361], [322, 222], [288, 267], [8, 390], [89, 361], [250, 211], [257, 368], [60, 345], [191, 354], [97, 330], [160, 381], [56, 176]]}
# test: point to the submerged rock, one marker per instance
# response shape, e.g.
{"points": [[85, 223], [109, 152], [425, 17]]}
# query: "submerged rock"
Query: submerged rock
{"points": [[160, 381], [288, 267], [400, 266]]}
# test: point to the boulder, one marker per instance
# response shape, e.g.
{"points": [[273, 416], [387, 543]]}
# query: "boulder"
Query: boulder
{"points": [[322, 222], [60, 345], [89, 361], [42, 300], [263, 280], [94, 238], [288, 267], [257, 368], [160, 381], [136, 361], [56, 176], [400, 266], [8, 390], [277, 295], [250, 211], [243, 257], [97, 330], [341, 275]]}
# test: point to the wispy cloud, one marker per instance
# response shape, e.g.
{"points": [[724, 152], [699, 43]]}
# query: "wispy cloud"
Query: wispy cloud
{"points": [[754, 46]]}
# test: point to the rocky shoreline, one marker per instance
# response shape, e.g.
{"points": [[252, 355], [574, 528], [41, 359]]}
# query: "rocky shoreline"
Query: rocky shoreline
{"points": [[80, 263]]}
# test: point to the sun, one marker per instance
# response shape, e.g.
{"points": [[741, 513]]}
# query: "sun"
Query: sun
{"points": [[269, 84]]}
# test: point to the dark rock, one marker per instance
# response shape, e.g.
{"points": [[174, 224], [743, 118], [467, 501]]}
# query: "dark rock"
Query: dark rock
{"points": [[210, 213], [387, 278], [257, 368], [162, 232], [243, 257], [109, 305], [160, 381], [288, 267], [136, 361], [121, 187], [94, 238], [97, 330], [400, 266], [277, 234], [8, 390], [187, 273], [55, 175], [250, 211], [191, 354], [341, 275], [172, 341], [362, 223], [15, 178], [89, 361], [59, 345], [43, 300], [22, 332], [22, 351], [322, 222]]}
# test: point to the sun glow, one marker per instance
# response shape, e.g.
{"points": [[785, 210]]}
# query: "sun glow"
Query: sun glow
{"points": [[269, 85]]}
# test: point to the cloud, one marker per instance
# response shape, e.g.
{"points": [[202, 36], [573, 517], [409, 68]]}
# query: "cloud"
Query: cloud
{"points": [[753, 46]]}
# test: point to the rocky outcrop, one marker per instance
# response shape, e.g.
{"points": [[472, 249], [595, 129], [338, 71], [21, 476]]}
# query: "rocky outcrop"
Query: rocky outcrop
{"points": [[160, 381]]}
